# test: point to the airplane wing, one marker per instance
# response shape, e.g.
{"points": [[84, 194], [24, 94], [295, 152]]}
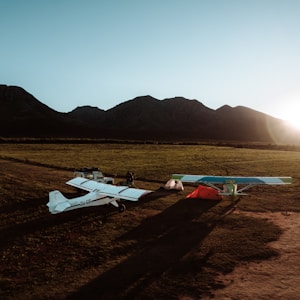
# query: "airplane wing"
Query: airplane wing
{"points": [[121, 192], [206, 179]]}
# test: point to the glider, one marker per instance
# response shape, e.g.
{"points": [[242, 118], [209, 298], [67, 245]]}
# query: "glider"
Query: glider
{"points": [[98, 194], [230, 183]]}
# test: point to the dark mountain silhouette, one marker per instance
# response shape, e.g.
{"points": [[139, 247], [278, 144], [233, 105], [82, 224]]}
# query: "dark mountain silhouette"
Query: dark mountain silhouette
{"points": [[142, 118], [87, 114], [146, 117], [22, 115]]}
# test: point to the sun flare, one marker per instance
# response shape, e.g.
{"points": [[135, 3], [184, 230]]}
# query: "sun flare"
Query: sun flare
{"points": [[291, 111], [292, 116], [293, 120]]}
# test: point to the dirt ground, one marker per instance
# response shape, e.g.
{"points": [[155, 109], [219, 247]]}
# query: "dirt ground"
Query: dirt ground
{"points": [[278, 278]]}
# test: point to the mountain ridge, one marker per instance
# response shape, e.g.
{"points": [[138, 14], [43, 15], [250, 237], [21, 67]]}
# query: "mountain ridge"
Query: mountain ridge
{"points": [[142, 118]]}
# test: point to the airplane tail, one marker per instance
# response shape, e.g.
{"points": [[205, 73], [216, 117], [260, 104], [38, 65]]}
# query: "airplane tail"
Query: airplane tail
{"points": [[57, 202]]}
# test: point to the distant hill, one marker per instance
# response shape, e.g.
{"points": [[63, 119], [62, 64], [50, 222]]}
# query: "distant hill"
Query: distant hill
{"points": [[142, 118], [22, 115]]}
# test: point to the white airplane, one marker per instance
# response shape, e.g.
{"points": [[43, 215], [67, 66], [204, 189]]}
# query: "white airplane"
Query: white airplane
{"points": [[230, 183], [99, 194]]}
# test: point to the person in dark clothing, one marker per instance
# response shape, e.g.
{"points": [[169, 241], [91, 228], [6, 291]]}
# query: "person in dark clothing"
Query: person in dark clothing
{"points": [[130, 178]]}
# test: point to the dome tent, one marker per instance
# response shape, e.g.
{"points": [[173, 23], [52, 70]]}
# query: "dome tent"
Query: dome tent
{"points": [[173, 184]]}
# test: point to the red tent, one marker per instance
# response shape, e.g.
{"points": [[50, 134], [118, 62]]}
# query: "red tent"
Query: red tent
{"points": [[205, 192]]}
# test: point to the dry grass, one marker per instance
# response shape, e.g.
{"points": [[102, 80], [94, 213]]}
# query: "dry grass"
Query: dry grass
{"points": [[165, 246]]}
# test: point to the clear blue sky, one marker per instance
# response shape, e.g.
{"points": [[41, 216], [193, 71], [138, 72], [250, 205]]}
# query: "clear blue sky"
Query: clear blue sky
{"points": [[69, 53]]}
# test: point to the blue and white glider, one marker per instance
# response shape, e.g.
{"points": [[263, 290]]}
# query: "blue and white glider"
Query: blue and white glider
{"points": [[230, 183]]}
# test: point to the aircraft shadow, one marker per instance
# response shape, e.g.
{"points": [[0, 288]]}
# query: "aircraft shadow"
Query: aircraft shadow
{"points": [[33, 222], [36, 222], [163, 240]]}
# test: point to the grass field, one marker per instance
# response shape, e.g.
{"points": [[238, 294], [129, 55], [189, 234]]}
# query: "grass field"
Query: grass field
{"points": [[165, 246], [158, 161]]}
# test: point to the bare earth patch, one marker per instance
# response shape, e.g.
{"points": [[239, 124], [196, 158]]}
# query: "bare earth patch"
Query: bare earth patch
{"points": [[155, 250], [277, 278]]}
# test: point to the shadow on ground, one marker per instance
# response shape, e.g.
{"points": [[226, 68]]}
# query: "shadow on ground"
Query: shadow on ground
{"points": [[163, 241]]}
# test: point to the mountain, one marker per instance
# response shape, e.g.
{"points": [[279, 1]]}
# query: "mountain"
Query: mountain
{"points": [[87, 114], [142, 118], [22, 115], [148, 118]]}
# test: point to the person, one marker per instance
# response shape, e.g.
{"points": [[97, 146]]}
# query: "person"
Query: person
{"points": [[130, 178]]}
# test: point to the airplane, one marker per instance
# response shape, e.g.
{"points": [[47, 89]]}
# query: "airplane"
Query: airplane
{"points": [[99, 194], [230, 183]]}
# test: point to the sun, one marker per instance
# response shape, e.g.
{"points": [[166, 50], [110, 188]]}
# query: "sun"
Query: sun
{"points": [[293, 118], [290, 112]]}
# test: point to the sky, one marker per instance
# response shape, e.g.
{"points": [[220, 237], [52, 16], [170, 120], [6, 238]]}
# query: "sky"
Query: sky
{"points": [[70, 53]]}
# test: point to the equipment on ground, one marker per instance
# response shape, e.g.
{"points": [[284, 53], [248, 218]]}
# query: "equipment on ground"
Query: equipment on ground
{"points": [[93, 173]]}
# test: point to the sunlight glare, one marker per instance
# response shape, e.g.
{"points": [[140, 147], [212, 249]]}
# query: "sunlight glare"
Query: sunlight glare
{"points": [[291, 111]]}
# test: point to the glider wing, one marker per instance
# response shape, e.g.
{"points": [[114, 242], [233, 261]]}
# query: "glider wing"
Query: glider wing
{"points": [[206, 179]]}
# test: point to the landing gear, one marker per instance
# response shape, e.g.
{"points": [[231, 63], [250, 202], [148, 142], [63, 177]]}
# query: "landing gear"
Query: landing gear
{"points": [[122, 207]]}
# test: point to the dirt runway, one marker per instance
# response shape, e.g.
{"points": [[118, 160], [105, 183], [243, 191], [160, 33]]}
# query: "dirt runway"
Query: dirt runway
{"points": [[278, 278]]}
